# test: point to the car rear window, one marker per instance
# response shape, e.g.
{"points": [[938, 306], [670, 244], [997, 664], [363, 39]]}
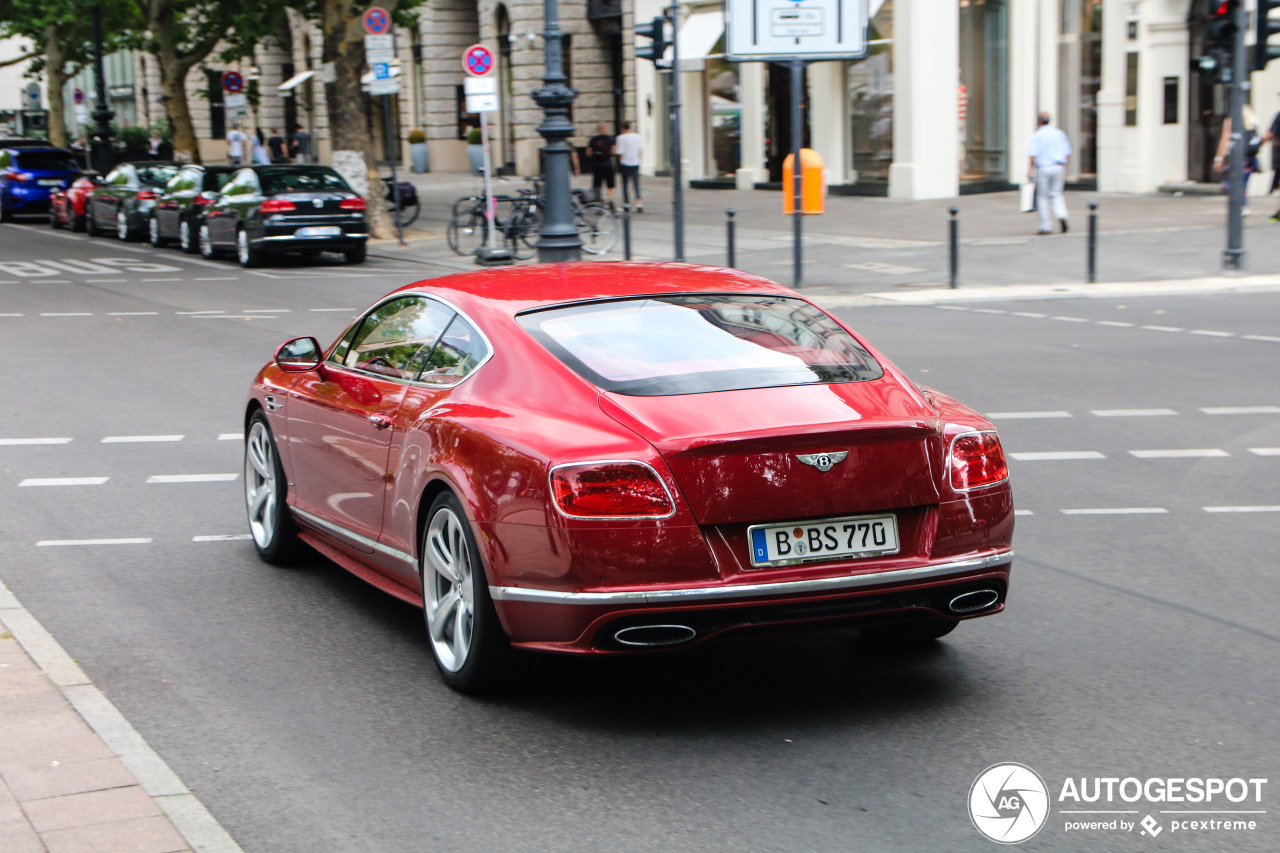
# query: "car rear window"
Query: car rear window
{"points": [[277, 181], [696, 343], [155, 176], [51, 161], [215, 181]]}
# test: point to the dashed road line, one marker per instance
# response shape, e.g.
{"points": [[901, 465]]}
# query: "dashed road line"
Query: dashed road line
{"points": [[1241, 508], [1241, 410], [1116, 510], [1265, 451], [1269, 338], [1117, 323], [1065, 319], [64, 481], [230, 436], [1163, 328], [1056, 455], [53, 543], [193, 313], [191, 478], [322, 310], [139, 439], [1037, 315], [132, 313], [12, 315], [222, 537], [14, 442], [1212, 334], [1131, 413], [1203, 453], [1209, 333], [265, 310], [218, 278], [1008, 416], [65, 314], [159, 280], [1023, 512]]}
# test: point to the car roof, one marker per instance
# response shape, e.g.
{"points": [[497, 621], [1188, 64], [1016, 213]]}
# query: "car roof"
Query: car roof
{"points": [[29, 149], [512, 290]]}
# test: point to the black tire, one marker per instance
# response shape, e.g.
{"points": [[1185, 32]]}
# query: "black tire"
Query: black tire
{"points": [[53, 221], [123, 232], [206, 244], [910, 634], [246, 253], [271, 525], [528, 231], [6, 215], [469, 647], [153, 233], [187, 238], [597, 227], [467, 230], [356, 255], [90, 227], [78, 222]]}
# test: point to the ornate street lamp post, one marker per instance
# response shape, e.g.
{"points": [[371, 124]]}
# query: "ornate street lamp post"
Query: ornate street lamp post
{"points": [[101, 154], [559, 240]]}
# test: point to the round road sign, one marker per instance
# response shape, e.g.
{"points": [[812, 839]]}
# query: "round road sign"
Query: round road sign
{"points": [[478, 60], [78, 96], [232, 82], [376, 21]]}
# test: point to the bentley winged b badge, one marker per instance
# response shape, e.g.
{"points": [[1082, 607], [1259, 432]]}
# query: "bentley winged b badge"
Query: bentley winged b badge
{"points": [[822, 461]]}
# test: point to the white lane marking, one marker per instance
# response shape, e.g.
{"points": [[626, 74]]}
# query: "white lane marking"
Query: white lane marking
{"points": [[132, 313], [139, 439], [11, 315], [189, 313], [265, 310], [952, 308], [64, 481], [1116, 510], [1131, 413], [1071, 319], [52, 543], [1241, 410], [1118, 323], [1200, 453], [221, 537], [263, 274], [13, 442], [1270, 338], [1029, 314], [65, 314], [217, 278], [1213, 334], [1241, 508], [191, 478], [1163, 328], [161, 279], [1056, 455], [1265, 451], [110, 280], [319, 310], [230, 436], [1009, 416], [989, 311], [1023, 512]]}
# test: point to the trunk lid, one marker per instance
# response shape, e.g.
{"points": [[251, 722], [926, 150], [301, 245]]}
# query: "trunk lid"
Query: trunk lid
{"points": [[734, 454]]}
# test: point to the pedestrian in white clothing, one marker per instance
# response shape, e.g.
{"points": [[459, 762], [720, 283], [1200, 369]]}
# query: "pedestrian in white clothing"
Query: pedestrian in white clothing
{"points": [[1049, 152]]}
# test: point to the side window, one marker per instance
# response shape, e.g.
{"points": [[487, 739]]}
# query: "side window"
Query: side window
{"points": [[242, 184], [115, 176], [458, 353], [390, 339]]}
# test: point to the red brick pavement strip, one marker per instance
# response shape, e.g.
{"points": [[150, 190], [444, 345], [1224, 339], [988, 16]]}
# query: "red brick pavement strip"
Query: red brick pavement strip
{"points": [[75, 777]]}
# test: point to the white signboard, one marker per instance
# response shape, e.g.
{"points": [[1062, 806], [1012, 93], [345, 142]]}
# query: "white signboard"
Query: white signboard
{"points": [[482, 103], [758, 30], [482, 94], [235, 101], [378, 42], [389, 86], [379, 55]]}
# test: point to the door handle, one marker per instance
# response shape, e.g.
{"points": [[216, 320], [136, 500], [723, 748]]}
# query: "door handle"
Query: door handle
{"points": [[380, 421]]}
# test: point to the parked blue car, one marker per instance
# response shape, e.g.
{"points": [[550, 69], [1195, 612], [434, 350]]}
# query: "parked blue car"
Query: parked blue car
{"points": [[29, 175]]}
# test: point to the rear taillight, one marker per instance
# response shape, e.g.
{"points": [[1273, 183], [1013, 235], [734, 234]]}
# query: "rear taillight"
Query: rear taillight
{"points": [[352, 204], [148, 195], [609, 490], [977, 459], [18, 176], [203, 200], [277, 205]]}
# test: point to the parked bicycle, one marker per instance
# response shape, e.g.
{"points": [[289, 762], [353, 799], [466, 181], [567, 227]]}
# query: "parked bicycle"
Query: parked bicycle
{"points": [[409, 207], [521, 227]]}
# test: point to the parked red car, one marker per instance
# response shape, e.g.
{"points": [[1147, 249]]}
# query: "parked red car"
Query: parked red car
{"points": [[615, 457], [66, 206]]}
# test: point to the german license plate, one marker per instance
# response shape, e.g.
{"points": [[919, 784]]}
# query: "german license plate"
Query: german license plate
{"points": [[319, 231], [854, 536], [51, 182]]}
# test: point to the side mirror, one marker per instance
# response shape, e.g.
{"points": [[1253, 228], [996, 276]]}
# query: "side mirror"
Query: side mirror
{"points": [[299, 355], [209, 195]]}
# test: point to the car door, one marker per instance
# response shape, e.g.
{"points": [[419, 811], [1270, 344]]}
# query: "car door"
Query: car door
{"points": [[342, 421], [222, 213], [169, 206], [102, 199]]}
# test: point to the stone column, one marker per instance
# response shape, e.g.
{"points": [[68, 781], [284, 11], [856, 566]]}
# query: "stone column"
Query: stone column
{"points": [[829, 119], [752, 98], [926, 62]]}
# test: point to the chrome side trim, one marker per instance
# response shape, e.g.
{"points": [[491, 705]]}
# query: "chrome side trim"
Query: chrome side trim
{"points": [[693, 595], [354, 537]]}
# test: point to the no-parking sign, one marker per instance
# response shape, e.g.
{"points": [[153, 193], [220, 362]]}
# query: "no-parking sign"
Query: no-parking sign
{"points": [[477, 60], [232, 82], [376, 21]]}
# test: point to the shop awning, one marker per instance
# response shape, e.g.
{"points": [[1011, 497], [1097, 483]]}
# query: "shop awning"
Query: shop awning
{"points": [[294, 81], [698, 36]]}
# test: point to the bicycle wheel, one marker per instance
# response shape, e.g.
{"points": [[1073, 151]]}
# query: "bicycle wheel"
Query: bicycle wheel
{"points": [[526, 234], [408, 212], [597, 228], [467, 231]]}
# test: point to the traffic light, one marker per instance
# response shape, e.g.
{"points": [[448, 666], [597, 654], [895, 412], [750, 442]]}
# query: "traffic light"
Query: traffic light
{"points": [[1221, 30], [656, 31], [1262, 51]]}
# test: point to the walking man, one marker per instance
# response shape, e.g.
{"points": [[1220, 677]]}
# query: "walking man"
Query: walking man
{"points": [[235, 145], [1049, 152], [629, 147], [601, 150]]}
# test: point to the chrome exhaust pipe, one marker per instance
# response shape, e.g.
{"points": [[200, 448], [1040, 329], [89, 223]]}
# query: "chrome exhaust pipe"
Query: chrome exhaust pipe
{"points": [[972, 602], [655, 636]]}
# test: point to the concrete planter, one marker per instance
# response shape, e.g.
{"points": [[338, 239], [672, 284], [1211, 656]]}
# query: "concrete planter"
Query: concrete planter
{"points": [[418, 156], [475, 153]]}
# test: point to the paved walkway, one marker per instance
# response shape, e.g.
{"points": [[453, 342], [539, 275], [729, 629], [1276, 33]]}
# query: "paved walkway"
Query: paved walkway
{"points": [[75, 777]]}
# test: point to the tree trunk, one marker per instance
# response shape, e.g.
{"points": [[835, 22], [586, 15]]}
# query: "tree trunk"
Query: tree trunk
{"points": [[353, 147], [55, 81], [173, 77]]}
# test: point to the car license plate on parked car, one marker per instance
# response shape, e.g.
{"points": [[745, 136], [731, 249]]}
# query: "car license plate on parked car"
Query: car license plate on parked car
{"points": [[51, 182], [320, 231], [826, 539]]}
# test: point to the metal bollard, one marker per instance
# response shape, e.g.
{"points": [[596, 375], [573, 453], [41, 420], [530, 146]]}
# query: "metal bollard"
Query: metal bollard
{"points": [[626, 232], [728, 227], [955, 248], [1093, 243]]}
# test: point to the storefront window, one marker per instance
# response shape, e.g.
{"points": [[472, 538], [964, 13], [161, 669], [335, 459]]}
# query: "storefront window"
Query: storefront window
{"points": [[724, 112], [983, 93], [871, 100], [1080, 76]]}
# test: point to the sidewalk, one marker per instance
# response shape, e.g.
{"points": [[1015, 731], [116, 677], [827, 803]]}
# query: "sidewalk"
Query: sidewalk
{"points": [[75, 777], [865, 245]]}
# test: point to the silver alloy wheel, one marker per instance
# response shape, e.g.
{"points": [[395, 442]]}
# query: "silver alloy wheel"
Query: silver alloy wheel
{"points": [[184, 235], [122, 225], [206, 242], [260, 485], [153, 231], [242, 247], [449, 589]]}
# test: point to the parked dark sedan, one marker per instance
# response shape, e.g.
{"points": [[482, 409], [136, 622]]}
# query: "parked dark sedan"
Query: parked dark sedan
{"points": [[278, 209], [122, 204], [29, 175], [182, 205]]}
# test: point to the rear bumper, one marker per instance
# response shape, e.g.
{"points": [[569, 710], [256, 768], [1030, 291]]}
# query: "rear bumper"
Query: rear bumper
{"points": [[586, 622], [27, 199], [280, 234]]}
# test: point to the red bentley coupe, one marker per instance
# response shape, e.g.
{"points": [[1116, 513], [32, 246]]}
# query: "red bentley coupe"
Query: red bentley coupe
{"points": [[66, 206], [615, 457]]}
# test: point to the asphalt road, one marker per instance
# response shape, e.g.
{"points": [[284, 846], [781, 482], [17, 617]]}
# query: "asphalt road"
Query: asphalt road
{"points": [[303, 707]]}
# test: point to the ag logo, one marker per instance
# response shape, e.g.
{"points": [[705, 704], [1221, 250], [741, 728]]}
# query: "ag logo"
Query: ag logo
{"points": [[1008, 803], [822, 461]]}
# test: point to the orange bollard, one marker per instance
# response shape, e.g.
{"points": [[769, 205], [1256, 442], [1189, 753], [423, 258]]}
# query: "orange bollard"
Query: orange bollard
{"points": [[813, 192]]}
